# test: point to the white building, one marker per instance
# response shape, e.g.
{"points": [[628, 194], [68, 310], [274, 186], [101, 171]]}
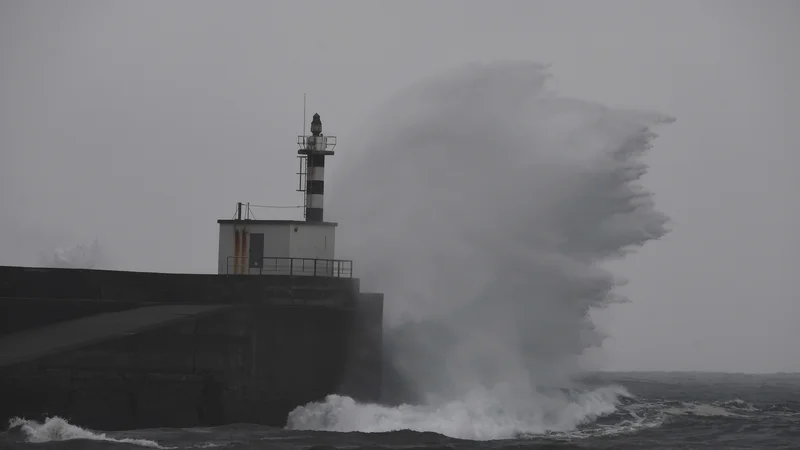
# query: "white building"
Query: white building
{"points": [[279, 247], [287, 247]]}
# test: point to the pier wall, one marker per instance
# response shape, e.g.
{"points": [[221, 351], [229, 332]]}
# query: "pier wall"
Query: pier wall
{"points": [[20, 314], [144, 287], [285, 342]]}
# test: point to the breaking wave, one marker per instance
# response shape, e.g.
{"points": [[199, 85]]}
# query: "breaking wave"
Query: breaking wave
{"points": [[484, 205], [478, 416], [57, 429]]}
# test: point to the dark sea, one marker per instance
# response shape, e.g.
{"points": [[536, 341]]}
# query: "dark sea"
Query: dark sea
{"points": [[664, 411]]}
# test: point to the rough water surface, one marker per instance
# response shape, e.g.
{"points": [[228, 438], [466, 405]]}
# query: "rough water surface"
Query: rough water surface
{"points": [[664, 411]]}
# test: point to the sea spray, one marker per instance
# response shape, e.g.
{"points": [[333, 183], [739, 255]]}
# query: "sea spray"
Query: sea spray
{"points": [[483, 206], [80, 256]]}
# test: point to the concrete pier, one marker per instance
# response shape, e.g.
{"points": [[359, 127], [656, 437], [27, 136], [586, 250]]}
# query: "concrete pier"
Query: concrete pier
{"points": [[124, 350]]}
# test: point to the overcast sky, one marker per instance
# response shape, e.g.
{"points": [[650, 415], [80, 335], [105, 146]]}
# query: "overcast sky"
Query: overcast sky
{"points": [[141, 123]]}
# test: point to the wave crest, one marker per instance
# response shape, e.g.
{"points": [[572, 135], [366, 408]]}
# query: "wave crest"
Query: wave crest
{"points": [[57, 429]]}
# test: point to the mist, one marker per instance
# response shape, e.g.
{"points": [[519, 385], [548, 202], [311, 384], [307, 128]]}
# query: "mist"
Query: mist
{"points": [[80, 256], [139, 125], [492, 205]]}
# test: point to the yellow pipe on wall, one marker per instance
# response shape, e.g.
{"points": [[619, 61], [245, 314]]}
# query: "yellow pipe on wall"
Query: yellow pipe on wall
{"points": [[235, 250], [243, 253]]}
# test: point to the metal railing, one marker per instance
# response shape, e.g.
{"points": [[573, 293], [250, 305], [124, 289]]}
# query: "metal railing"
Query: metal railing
{"points": [[329, 142], [314, 267]]}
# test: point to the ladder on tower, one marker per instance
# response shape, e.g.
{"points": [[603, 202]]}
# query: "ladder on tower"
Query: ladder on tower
{"points": [[303, 177]]}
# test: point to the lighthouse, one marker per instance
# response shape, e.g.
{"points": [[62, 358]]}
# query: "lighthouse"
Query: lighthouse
{"points": [[248, 246], [313, 150]]}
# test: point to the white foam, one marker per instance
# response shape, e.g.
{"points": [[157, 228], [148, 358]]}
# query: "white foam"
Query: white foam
{"points": [[57, 429], [700, 409], [737, 404], [481, 415]]}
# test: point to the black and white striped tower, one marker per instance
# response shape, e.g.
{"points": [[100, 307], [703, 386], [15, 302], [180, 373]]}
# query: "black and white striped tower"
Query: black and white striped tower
{"points": [[313, 149]]}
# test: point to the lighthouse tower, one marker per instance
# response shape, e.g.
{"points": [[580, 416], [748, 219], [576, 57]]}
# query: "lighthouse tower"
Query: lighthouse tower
{"points": [[313, 150], [248, 246]]}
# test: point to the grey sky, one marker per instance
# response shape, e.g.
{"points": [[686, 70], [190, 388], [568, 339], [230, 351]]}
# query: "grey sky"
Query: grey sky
{"points": [[141, 123]]}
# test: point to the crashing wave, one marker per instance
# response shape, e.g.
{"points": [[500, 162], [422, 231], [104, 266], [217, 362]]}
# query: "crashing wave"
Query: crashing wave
{"points": [[484, 206]]}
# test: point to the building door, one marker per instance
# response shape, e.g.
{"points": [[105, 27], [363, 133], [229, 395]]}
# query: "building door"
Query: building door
{"points": [[256, 250]]}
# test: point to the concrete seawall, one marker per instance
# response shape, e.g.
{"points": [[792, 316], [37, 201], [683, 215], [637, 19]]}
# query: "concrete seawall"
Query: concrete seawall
{"points": [[265, 345], [143, 287]]}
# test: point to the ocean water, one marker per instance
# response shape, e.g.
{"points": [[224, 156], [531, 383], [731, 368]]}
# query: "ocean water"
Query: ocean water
{"points": [[659, 411]]}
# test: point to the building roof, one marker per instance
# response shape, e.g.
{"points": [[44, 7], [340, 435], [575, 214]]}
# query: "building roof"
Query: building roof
{"points": [[274, 222]]}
